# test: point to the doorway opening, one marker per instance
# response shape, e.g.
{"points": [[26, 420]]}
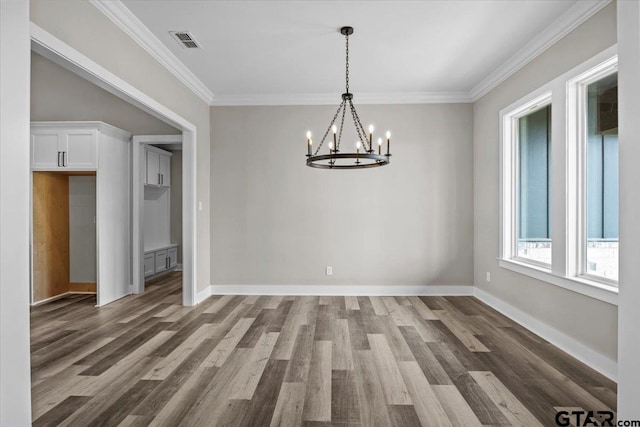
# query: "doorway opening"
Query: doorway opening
{"points": [[60, 53], [64, 235]]}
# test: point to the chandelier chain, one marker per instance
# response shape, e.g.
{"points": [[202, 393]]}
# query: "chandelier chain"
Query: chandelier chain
{"points": [[359, 123], [347, 66], [344, 110], [356, 122], [335, 116]]}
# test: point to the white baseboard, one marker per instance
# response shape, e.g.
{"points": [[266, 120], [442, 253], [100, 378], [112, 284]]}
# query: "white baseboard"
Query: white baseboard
{"points": [[338, 290], [56, 297], [203, 295], [46, 300], [606, 366]]}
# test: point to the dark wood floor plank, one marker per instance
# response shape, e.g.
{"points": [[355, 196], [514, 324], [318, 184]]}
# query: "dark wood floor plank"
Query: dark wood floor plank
{"points": [[61, 411], [357, 330], [428, 363], [263, 403], [403, 416], [484, 408], [258, 327], [122, 407], [344, 398]]}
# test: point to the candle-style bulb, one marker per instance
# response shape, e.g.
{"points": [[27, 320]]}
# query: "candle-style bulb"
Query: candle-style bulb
{"points": [[358, 145], [370, 128], [330, 146], [308, 134], [388, 134], [334, 129], [379, 142]]}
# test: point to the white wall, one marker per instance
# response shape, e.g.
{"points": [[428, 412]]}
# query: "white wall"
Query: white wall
{"points": [[76, 23], [157, 208], [588, 321], [176, 201], [277, 221], [629, 112], [57, 94], [82, 229], [15, 390]]}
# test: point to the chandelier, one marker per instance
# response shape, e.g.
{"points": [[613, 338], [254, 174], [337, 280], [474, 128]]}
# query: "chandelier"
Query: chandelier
{"points": [[365, 155]]}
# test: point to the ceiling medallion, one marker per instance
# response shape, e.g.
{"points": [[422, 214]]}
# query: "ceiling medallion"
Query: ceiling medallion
{"points": [[365, 156]]}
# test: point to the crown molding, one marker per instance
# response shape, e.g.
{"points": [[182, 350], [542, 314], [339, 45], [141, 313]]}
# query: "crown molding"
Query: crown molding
{"points": [[117, 12], [563, 25], [334, 98]]}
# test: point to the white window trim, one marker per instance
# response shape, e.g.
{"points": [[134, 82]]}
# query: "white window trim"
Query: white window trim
{"points": [[576, 174], [509, 171], [564, 270]]}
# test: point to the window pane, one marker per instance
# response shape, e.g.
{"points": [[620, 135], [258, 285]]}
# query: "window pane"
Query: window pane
{"points": [[534, 208], [602, 178]]}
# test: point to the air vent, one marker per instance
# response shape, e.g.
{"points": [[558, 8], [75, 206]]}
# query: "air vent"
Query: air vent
{"points": [[185, 39]]}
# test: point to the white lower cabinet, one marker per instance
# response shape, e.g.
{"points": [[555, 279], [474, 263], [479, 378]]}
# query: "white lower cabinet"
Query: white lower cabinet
{"points": [[149, 264], [160, 260], [172, 254]]}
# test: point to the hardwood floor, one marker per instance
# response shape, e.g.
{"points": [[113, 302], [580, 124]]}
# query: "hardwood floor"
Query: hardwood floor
{"points": [[314, 361]]}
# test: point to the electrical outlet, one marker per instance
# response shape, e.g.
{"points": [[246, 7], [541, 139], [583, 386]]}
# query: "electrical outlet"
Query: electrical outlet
{"points": [[329, 270], [488, 276]]}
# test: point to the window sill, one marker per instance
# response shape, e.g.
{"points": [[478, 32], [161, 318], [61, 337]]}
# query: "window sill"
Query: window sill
{"points": [[590, 288]]}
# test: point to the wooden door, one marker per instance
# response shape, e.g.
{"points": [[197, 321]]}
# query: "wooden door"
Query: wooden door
{"points": [[50, 235]]}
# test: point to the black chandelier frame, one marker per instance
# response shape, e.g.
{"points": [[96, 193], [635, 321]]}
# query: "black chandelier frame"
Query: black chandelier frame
{"points": [[366, 159]]}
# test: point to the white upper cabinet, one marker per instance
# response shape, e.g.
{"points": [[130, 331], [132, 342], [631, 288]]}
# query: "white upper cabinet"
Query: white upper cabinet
{"points": [[46, 149], [165, 171], [158, 167], [153, 168], [81, 148], [58, 148]]}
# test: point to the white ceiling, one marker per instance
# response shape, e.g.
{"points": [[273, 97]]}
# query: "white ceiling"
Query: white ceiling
{"points": [[292, 48]]}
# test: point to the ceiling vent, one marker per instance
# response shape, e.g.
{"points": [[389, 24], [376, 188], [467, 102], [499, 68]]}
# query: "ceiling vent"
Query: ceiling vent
{"points": [[185, 39]]}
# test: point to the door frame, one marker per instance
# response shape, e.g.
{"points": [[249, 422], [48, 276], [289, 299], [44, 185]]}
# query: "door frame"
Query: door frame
{"points": [[52, 48], [138, 142]]}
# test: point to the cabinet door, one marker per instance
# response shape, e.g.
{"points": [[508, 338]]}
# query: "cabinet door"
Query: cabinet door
{"points": [[81, 149], [153, 168], [165, 171], [46, 149], [161, 261], [149, 264], [173, 257]]}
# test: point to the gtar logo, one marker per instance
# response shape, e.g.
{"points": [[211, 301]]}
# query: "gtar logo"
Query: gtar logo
{"points": [[585, 418]]}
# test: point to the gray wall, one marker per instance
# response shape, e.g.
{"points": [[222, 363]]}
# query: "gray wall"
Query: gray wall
{"points": [[585, 319], [82, 229], [277, 221], [58, 94], [176, 201]]}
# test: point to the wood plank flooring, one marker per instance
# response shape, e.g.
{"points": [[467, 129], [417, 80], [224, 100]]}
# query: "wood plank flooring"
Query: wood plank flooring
{"points": [[289, 361]]}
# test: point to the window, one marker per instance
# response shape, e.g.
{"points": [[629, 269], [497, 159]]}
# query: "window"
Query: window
{"points": [[601, 176], [559, 181], [534, 204], [526, 182]]}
